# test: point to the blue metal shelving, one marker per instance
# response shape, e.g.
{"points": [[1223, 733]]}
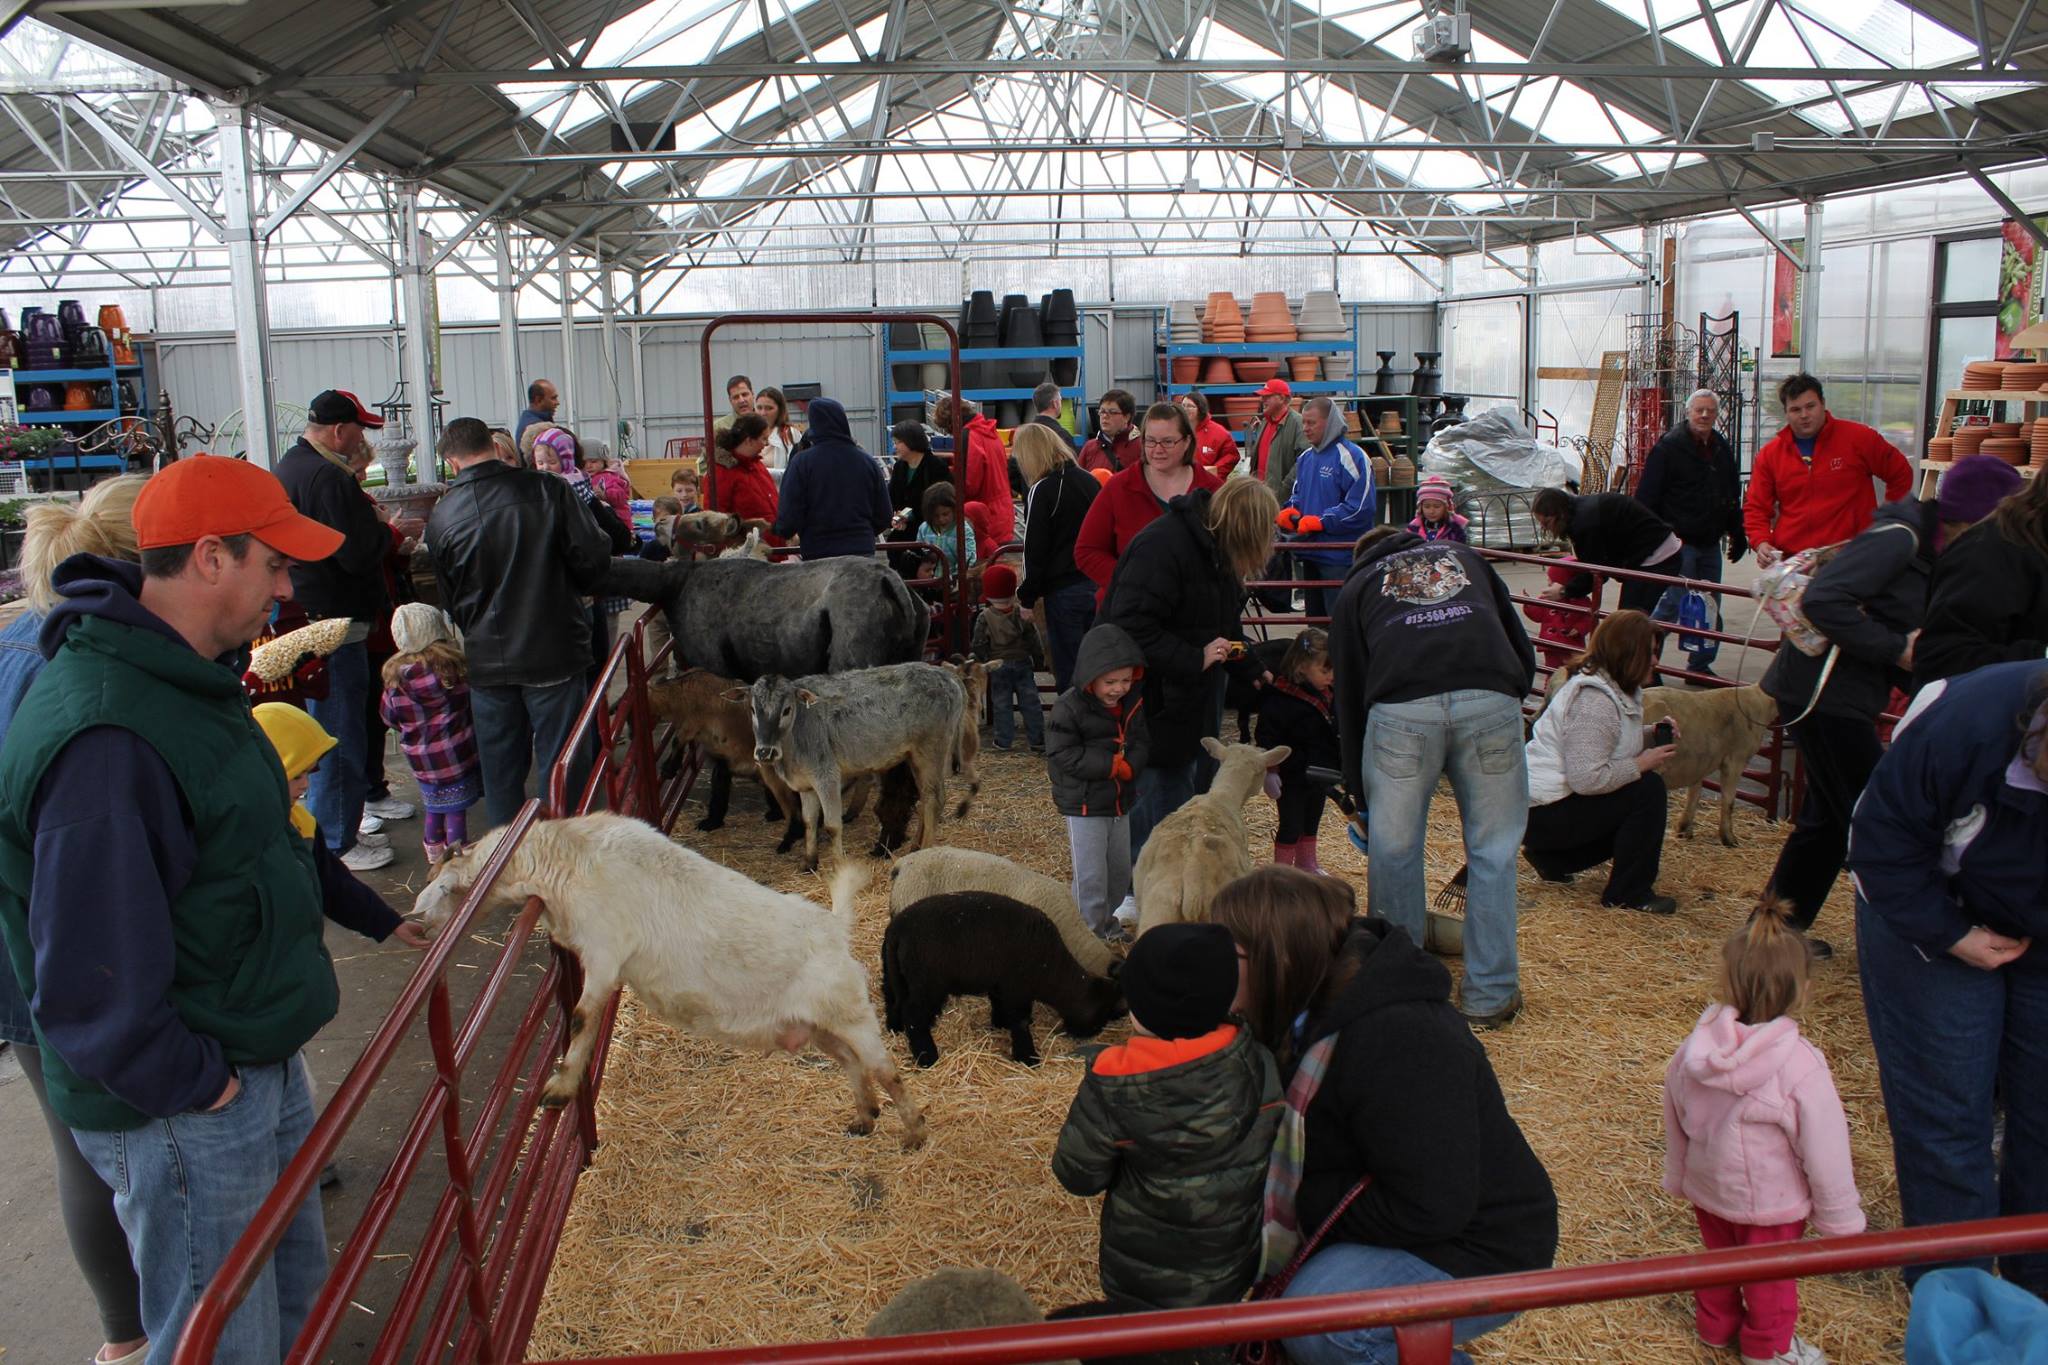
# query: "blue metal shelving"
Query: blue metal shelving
{"points": [[894, 397], [1168, 351]]}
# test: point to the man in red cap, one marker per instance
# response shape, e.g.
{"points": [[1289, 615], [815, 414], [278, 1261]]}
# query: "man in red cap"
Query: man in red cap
{"points": [[319, 476], [157, 906], [1275, 439]]}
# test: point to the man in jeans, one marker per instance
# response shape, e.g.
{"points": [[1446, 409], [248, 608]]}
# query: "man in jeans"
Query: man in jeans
{"points": [[516, 552], [1432, 664], [319, 476], [157, 905], [1690, 482]]}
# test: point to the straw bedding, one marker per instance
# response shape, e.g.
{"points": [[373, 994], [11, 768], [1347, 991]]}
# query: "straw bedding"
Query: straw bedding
{"points": [[726, 1207]]}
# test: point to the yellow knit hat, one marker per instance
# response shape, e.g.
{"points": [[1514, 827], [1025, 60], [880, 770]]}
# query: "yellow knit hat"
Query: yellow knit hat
{"points": [[300, 742]]}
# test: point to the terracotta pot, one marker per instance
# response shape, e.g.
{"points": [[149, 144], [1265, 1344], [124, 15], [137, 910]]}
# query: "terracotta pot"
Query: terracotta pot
{"points": [[1305, 368], [1187, 369], [1217, 370], [1256, 371]]}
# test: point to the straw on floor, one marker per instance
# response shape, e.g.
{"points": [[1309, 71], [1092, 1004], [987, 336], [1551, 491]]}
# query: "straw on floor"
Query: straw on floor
{"points": [[726, 1207]]}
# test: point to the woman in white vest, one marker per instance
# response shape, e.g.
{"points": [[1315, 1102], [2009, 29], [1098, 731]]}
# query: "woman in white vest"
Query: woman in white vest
{"points": [[1594, 792]]}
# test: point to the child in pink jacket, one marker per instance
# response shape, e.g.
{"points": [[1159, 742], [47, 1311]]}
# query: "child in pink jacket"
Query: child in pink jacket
{"points": [[1756, 1138]]}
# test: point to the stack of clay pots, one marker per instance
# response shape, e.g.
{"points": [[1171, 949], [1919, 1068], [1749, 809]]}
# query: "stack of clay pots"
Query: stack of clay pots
{"points": [[2022, 376], [1940, 450], [1322, 319], [2006, 442], [1969, 439], [1985, 375], [1223, 320], [2038, 444], [1184, 328], [1271, 321]]}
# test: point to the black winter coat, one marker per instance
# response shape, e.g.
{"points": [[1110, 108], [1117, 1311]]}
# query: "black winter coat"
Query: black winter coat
{"points": [[1292, 715], [349, 582], [907, 487], [1053, 512], [1613, 530], [1083, 737], [1411, 1100], [1989, 605], [1174, 595], [1867, 599], [1699, 495], [515, 551]]}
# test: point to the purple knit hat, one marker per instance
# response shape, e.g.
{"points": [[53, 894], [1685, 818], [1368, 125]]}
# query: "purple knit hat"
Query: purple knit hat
{"points": [[1973, 486]]}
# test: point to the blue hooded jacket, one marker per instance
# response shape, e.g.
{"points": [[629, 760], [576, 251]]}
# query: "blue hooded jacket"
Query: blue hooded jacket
{"points": [[1335, 483], [1948, 834], [833, 494]]}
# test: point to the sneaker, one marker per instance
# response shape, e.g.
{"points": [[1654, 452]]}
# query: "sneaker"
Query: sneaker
{"points": [[388, 809], [373, 840], [1800, 1352], [363, 858], [1497, 1018], [370, 824], [1655, 905], [1127, 913], [134, 1357]]}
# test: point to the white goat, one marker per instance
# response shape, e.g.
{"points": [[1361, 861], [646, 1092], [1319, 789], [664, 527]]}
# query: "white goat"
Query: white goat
{"points": [[750, 548], [709, 951], [1200, 848]]}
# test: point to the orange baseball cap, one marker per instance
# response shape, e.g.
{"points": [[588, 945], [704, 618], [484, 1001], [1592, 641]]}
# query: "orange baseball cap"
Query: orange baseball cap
{"points": [[213, 495]]}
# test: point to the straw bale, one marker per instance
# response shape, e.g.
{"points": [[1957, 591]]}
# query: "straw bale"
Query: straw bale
{"points": [[721, 1209]]}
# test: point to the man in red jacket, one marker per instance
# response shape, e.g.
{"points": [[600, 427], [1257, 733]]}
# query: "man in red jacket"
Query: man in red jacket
{"points": [[1811, 484]]}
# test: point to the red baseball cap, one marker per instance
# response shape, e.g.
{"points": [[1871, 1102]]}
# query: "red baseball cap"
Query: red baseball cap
{"points": [[1274, 386], [213, 495], [331, 407]]}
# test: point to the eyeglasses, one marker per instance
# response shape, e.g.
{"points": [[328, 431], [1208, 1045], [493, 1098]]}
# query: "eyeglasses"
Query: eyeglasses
{"points": [[1154, 443]]}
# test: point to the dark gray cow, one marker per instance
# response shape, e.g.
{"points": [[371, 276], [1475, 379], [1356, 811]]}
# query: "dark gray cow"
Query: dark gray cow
{"points": [[819, 732], [746, 619]]}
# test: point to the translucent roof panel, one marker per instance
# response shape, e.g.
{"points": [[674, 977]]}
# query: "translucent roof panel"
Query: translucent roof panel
{"points": [[660, 32], [1838, 33]]}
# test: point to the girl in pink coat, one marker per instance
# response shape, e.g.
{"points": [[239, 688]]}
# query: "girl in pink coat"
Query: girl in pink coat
{"points": [[1756, 1138]]}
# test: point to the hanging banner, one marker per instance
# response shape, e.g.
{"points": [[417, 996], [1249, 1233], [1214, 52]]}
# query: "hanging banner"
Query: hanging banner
{"points": [[2020, 281], [1788, 298]]}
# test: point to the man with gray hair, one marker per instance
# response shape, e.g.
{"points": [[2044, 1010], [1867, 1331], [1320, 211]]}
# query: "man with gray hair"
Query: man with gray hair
{"points": [[1689, 480]]}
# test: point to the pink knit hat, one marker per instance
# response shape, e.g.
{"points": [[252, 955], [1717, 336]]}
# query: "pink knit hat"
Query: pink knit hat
{"points": [[1439, 487]]}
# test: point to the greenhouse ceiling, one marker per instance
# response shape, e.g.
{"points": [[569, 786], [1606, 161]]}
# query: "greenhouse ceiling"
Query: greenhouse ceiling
{"points": [[678, 132]]}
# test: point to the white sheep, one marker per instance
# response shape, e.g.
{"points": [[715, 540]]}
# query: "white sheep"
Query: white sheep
{"points": [[939, 871], [706, 949], [1200, 848]]}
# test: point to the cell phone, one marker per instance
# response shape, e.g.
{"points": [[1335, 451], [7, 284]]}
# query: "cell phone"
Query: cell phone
{"points": [[1663, 736]]}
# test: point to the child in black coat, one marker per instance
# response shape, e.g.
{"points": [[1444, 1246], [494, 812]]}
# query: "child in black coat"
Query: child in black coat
{"points": [[1300, 711]]}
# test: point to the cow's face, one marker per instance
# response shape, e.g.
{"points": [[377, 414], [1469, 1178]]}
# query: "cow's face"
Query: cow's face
{"points": [[776, 700]]}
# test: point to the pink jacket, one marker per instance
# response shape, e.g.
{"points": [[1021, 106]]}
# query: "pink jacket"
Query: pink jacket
{"points": [[1754, 1131]]}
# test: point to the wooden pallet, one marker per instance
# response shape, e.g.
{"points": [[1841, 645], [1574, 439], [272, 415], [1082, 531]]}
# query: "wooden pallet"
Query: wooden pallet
{"points": [[1597, 474]]}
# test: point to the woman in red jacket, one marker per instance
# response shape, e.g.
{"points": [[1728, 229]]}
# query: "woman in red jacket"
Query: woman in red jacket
{"points": [[1134, 497], [1215, 450], [741, 483], [985, 475]]}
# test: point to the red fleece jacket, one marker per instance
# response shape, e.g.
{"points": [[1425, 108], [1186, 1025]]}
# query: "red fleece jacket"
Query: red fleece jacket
{"points": [[746, 489], [1125, 507], [1795, 506]]}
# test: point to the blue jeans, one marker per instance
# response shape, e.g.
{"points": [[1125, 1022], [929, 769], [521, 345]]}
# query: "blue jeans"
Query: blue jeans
{"points": [[341, 783], [1351, 1268], [1158, 793], [1318, 601], [1704, 563], [515, 726], [1012, 682], [1069, 611], [1953, 1041], [1477, 738], [185, 1189]]}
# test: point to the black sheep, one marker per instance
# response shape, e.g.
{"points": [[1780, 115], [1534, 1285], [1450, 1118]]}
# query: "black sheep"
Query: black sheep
{"points": [[980, 943]]}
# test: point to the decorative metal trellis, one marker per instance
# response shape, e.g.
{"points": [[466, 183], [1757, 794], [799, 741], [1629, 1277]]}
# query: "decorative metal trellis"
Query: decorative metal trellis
{"points": [[1667, 363]]}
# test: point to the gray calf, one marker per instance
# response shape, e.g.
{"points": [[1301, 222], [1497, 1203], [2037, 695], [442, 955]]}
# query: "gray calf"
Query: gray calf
{"points": [[821, 731]]}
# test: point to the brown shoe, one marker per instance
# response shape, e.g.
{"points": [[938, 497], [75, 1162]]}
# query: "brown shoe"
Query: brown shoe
{"points": [[1499, 1018]]}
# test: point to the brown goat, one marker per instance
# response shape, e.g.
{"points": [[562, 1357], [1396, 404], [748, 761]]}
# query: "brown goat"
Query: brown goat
{"points": [[694, 703]]}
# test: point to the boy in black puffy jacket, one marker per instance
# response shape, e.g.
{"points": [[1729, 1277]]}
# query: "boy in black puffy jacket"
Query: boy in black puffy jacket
{"points": [[1095, 746]]}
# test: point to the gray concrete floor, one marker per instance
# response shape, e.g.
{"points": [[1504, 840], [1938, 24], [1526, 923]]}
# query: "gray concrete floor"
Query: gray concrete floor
{"points": [[46, 1315]]}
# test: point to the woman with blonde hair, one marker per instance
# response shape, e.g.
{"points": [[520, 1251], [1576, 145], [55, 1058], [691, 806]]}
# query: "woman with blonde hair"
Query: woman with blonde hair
{"points": [[1179, 591], [1056, 502], [98, 524]]}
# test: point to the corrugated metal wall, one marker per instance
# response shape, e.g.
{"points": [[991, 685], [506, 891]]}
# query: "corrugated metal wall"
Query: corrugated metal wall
{"points": [[199, 370]]}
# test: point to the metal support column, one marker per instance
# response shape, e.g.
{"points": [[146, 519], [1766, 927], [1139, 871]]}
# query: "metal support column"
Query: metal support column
{"points": [[508, 320], [245, 284], [636, 350], [608, 352], [572, 401], [419, 343], [1809, 297]]}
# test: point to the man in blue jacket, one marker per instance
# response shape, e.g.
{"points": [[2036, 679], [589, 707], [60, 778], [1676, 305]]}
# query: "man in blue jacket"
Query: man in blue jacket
{"points": [[1334, 498], [833, 496]]}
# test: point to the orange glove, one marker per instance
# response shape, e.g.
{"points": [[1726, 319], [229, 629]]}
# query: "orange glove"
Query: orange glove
{"points": [[1308, 526], [1288, 519], [1120, 768]]}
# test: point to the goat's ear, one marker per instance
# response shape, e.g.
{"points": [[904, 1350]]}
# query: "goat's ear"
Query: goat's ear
{"points": [[806, 696], [1214, 746], [733, 694], [1275, 757]]}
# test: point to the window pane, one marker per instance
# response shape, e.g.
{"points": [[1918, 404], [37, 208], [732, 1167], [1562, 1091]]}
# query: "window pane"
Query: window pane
{"points": [[1970, 271], [1957, 342]]}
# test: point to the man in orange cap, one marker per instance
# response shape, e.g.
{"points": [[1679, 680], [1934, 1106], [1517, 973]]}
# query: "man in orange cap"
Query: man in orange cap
{"points": [[157, 906]]}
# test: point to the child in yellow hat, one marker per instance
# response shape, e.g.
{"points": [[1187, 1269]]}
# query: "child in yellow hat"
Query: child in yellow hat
{"points": [[301, 742]]}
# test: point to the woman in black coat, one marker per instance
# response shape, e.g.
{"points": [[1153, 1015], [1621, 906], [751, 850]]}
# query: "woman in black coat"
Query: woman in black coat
{"points": [[1406, 1103], [1613, 530], [1053, 588], [1989, 602], [1179, 590], [915, 470]]}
